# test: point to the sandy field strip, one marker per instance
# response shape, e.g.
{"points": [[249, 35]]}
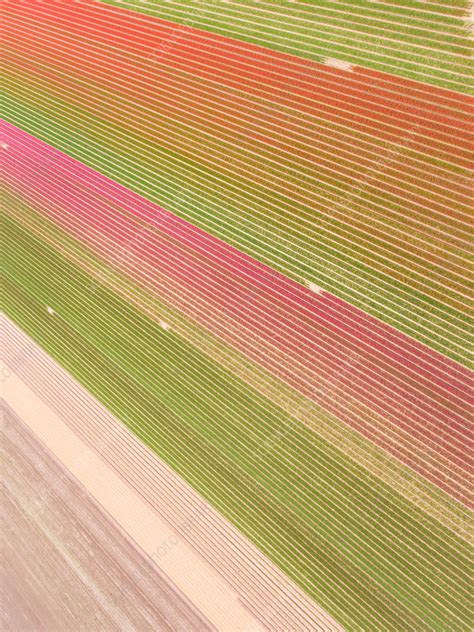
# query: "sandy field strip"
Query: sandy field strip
{"points": [[209, 593], [66, 564]]}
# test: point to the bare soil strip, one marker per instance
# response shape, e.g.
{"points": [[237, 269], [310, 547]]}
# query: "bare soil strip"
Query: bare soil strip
{"points": [[66, 564]]}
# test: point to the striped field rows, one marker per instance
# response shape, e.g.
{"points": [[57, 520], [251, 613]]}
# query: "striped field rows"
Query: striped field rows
{"points": [[382, 238], [244, 228], [309, 522]]}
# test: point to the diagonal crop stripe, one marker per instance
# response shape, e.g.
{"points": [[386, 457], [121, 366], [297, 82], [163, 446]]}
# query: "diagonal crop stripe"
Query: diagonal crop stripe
{"points": [[425, 41], [277, 454], [390, 245], [315, 527], [408, 404], [236, 268]]}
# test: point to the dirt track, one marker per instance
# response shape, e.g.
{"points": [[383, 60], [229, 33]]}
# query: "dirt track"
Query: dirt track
{"points": [[66, 564]]}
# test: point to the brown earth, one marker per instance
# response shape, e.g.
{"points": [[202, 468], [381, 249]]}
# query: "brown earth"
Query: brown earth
{"points": [[66, 565]]}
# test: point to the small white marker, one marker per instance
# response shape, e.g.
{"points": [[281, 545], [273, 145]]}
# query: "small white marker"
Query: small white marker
{"points": [[164, 325], [315, 288], [50, 310], [339, 63], [3, 145]]}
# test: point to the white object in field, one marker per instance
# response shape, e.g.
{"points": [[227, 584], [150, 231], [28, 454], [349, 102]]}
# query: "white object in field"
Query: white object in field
{"points": [[3, 145], [164, 325], [339, 63], [315, 288], [50, 310]]}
